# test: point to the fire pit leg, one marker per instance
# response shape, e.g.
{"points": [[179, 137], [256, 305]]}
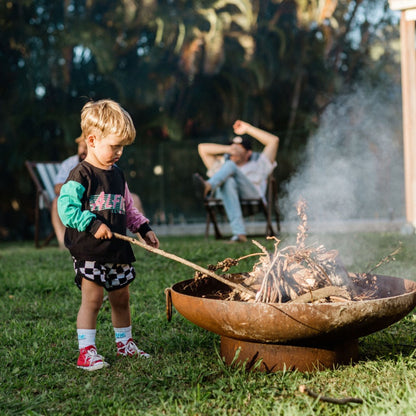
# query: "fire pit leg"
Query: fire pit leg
{"points": [[277, 357]]}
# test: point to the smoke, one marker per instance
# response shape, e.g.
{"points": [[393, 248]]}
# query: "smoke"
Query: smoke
{"points": [[353, 165]]}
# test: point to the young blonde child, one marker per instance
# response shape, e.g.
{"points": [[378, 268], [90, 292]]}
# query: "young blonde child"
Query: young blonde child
{"points": [[94, 202]]}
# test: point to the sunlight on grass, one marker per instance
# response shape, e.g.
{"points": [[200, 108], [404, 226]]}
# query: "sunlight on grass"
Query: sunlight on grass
{"points": [[186, 375]]}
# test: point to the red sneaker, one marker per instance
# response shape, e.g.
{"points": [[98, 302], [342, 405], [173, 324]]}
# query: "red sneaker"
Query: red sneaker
{"points": [[130, 350], [89, 359]]}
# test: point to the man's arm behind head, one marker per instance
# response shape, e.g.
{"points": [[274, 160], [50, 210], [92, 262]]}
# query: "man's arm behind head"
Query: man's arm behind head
{"points": [[209, 152]]}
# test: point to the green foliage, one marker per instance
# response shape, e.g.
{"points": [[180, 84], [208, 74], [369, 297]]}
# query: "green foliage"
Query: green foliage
{"points": [[185, 70], [186, 375]]}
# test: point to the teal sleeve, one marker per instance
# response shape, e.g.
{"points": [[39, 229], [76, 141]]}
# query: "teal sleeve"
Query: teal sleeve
{"points": [[70, 207]]}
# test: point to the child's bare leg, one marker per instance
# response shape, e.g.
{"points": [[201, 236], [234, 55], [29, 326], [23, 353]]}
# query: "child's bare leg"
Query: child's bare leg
{"points": [[120, 307], [92, 299]]}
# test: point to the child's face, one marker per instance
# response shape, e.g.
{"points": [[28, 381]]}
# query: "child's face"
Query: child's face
{"points": [[104, 152]]}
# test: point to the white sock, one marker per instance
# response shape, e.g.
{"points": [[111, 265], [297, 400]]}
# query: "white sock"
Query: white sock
{"points": [[86, 337], [123, 334]]}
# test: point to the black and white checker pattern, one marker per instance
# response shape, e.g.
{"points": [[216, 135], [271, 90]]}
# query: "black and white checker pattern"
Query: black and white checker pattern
{"points": [[110, 276]]}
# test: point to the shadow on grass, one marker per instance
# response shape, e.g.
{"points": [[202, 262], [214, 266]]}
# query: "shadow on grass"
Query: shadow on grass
{"points": [[396, 340]]}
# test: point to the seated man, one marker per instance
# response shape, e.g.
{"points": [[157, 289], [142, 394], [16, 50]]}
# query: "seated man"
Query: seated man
{"points": [[239, 176], [66, 167]]}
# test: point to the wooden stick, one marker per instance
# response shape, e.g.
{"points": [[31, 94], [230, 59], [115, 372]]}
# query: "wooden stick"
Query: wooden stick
{"points": [[194, 266], [322, 293], [309, 392]]}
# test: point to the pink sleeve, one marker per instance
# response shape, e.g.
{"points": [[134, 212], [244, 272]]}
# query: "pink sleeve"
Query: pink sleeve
{"points": [[134, 217]]}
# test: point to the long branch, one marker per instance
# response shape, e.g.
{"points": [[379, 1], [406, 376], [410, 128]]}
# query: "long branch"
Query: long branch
{"points": [[194, 266]]}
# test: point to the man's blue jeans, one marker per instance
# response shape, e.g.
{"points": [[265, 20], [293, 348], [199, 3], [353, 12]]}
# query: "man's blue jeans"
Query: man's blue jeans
{"points": [[230, 184]]}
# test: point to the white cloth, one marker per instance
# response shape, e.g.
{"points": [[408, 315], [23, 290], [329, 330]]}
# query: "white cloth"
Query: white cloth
{"points": [[66, 166], [257, 172]]}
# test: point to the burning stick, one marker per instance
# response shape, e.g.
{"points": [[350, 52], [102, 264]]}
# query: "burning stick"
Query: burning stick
{"points": [[295, 270], [194, 266], [303, 226], [386, 259]]}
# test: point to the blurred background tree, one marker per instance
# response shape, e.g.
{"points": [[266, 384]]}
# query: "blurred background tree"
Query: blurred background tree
{"points": [[185, 70]]}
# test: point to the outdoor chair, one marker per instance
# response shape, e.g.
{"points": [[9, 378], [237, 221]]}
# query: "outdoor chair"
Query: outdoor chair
{"points": [[43, 174], [249, 207]]}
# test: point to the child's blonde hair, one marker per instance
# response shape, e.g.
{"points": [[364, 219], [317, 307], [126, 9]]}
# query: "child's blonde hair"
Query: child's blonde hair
{"points": [[107, 117]]}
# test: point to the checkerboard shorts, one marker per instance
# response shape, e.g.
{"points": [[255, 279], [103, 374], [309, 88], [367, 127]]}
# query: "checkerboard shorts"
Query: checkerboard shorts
{"points": [[110, 276]]}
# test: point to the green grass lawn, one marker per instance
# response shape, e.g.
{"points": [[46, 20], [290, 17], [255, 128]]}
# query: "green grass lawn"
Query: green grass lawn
{"points": [[186, 375]]}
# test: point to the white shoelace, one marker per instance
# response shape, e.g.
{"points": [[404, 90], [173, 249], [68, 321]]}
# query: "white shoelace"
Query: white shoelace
{"points": [[131, 348], [94, 357]]}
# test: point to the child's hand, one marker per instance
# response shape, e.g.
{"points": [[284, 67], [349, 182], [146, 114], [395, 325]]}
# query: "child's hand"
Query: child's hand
{"points": [[103, 233], [151, 239]]}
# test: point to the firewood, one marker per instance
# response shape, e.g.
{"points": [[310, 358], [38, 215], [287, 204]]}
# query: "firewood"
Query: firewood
{"points": [[322, 293], [247, 291]]}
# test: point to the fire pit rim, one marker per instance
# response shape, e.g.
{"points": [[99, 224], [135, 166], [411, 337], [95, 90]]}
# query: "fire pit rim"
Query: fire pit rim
{"points": [[294, 322], [398, 279]]}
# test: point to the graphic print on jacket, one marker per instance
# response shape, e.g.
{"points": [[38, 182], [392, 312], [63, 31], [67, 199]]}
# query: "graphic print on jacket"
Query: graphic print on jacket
{"points": [[115, 203]]}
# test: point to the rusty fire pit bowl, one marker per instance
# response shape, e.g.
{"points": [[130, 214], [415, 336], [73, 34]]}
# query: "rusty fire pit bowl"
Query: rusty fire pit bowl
{"points": [[288, 335]]}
